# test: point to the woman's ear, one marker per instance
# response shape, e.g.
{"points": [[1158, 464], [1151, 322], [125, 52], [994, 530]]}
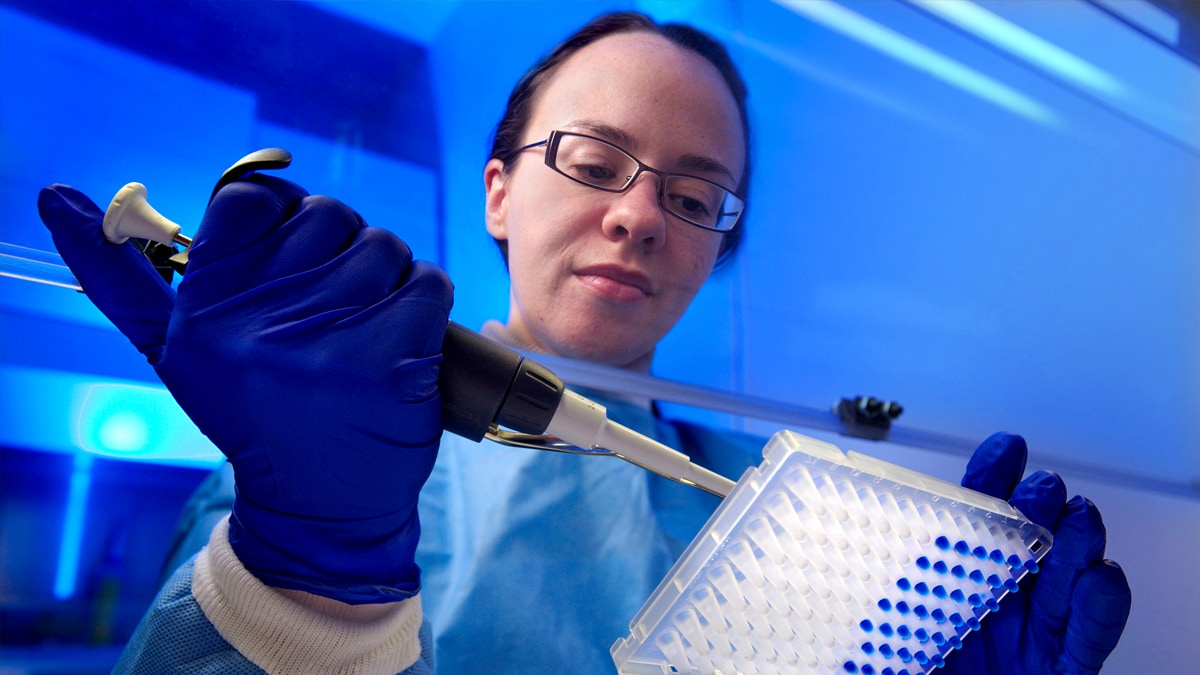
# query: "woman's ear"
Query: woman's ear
{"points": [[495, 186]]}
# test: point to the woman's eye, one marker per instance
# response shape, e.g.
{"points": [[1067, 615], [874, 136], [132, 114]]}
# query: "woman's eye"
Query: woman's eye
{"points": [[691, 205], [598, 173], [594, 174], [695, 199]]}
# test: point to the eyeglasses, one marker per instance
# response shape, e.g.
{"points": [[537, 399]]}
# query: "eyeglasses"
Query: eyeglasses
{"points": [[599, 164]]}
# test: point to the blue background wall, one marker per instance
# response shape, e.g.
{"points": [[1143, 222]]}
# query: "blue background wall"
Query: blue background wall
{"points": [[993, 240]]}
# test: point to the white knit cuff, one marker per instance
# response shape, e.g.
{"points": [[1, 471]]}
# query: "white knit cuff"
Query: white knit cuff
{"points": [[287, 631]]}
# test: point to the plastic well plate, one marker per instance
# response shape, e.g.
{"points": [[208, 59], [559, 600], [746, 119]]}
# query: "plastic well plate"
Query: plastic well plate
{"points": [[824, 561]]}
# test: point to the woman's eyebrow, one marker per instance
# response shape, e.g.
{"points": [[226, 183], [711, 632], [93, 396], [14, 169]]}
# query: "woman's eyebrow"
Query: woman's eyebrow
{"points": [[703, 164], [617, 136], [608, 132]]}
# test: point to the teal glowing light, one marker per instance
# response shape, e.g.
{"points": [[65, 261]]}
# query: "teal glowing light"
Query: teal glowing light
{"points": [[129, 421], [914, 54], [121, 419], [124, 431]]}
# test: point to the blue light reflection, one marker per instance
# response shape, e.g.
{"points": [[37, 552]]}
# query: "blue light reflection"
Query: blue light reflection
{"points": [[72, 532]]}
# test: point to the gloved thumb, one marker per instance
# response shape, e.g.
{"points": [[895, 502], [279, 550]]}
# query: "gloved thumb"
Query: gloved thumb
{"points": [[117, 278], [997, 465]]}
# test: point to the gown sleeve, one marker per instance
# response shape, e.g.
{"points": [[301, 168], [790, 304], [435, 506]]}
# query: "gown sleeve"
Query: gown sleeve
{"points": [[213, 616]]}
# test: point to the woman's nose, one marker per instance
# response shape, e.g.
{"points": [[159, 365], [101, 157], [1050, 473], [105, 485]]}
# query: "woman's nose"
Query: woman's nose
{"points": [[637, 214]]}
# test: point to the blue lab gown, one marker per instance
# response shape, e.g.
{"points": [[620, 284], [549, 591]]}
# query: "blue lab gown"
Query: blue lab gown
{"points": [[532, 561]]}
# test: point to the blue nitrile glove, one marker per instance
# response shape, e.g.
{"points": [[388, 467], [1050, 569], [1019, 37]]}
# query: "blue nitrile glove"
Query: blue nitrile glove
{"points": [[1068, 617], [306, 346]]}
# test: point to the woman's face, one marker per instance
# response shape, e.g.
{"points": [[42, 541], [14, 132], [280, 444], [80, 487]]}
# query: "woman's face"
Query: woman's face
{"points": [[603, 276]]}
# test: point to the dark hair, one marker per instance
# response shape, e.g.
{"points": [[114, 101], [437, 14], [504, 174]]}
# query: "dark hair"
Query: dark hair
{"points": [[511, 129]]}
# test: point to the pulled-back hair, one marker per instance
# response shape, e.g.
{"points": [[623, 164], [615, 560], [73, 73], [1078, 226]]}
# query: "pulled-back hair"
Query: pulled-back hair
{"points": [[510, 131]]}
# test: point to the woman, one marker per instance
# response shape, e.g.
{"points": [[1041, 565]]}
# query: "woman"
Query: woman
{"points": [[306, 346], [601, 276]]}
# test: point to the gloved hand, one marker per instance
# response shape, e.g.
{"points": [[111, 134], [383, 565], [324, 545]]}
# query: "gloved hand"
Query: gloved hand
{"points": [[1070, 617], [306, 346]]}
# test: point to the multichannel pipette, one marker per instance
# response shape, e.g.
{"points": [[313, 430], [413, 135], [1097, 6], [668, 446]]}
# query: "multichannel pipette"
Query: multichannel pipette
{"points": [[487, 389]]}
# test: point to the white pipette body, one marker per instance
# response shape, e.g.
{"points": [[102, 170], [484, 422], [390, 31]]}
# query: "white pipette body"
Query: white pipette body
{"points": [[585, 423]]}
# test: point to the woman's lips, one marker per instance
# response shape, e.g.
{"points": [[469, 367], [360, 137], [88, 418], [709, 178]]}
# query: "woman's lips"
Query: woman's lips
{"points": [[616, 283]]}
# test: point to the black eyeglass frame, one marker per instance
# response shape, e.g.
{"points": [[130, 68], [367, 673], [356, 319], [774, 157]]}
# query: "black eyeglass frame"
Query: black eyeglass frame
{"points": [[552, 142]]}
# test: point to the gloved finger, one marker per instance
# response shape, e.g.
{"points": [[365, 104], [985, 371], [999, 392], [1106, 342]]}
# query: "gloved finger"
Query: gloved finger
{"points": [[342, 276], [373, 276], [321, 229], [121, 282], [997, 465], [430, 282], [240, 216], [1079, 541], [258, 231], [1041, 498], [413, 311], [1099, 609]]}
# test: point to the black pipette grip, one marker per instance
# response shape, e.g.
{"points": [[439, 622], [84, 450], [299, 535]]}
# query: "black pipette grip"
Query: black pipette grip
{"points": [[482, 382]]}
